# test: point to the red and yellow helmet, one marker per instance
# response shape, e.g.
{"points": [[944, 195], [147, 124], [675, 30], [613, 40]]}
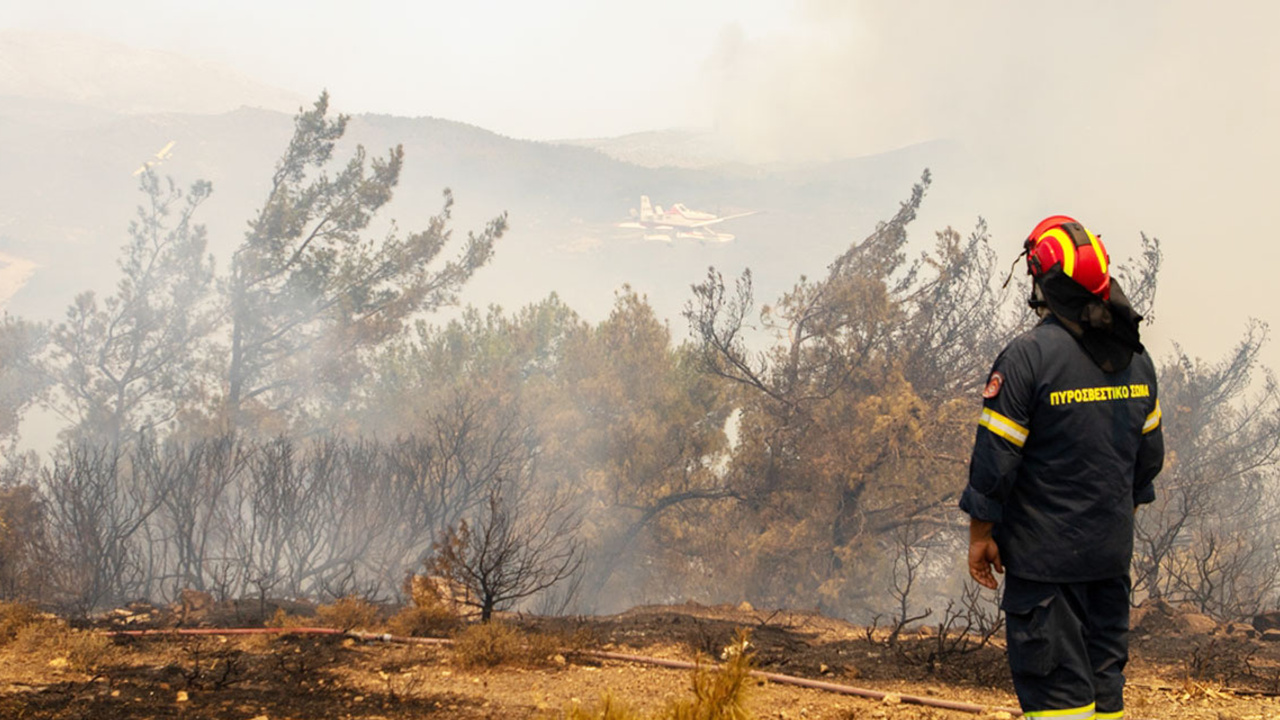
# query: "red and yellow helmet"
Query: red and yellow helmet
{"points": [[1061, 240]]}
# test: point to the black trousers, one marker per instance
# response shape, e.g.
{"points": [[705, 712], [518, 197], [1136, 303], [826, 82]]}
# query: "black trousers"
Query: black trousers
{"points": [[1068, 645]]}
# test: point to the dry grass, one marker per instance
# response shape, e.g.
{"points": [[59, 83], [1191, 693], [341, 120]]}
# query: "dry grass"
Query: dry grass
{"points": [[717, 693], [52, 642], [349, 613], [496, 643], [415, 621], [609, 708], [88, 651], [36, 637], [488, 645], [287, 620], [13, 617]]}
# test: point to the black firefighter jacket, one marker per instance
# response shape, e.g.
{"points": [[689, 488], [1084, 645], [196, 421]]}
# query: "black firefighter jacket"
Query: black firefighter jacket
{"points": [[1064, 453]]}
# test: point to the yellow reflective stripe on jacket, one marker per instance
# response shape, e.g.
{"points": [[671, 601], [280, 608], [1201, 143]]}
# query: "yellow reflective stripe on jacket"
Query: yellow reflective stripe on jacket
{"points": [[1003, 426], [1153, 420], [1080, 713], [1110, 716]]}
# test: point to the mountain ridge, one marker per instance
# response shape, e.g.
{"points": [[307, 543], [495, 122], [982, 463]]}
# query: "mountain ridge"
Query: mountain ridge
{"points": [[72, 193]]}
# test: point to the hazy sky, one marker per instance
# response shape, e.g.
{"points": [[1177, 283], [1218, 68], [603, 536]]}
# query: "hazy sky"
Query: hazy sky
{"points": [[539, 70], [1156, 116]]}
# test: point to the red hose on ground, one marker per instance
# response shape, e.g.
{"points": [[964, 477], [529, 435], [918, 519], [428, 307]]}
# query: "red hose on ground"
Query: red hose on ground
{"points": [[642, 659], [281, 631]]}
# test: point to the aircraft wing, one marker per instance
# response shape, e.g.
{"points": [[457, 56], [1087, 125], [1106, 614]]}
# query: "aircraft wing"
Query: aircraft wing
{"points": [[713, 221], [165, 153], [645, 226]]}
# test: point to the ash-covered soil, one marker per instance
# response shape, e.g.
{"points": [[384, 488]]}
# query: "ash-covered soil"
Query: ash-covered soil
{"points": [[1183, 667]]}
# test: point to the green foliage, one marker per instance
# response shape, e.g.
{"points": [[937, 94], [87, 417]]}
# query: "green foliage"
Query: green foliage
{"points": [[20, 379], [856, 418], [639, 430], [509, 361], [130, 363], [309, 293], [617, 416]]}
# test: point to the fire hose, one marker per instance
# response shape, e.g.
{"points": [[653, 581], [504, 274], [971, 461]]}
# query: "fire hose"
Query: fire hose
{"points": [[597, 654]]}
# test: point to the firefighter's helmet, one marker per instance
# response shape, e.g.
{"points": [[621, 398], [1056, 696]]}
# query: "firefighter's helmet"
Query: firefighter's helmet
{"points": [[1061, 240]]}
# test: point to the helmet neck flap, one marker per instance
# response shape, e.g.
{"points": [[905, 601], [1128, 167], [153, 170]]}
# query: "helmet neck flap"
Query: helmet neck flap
{"points": [[1106, 329]]}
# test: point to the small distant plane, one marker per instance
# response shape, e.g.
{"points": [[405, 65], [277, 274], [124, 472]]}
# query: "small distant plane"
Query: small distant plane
{"points": [[164, 154], [678, 223]]}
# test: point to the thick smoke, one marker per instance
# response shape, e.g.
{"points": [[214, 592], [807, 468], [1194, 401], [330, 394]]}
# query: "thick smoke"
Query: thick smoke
{"points": [[1151, 117]]}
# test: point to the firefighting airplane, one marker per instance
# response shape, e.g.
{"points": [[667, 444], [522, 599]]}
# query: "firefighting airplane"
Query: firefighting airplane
{"points": [[165, 153], [678, 223]]}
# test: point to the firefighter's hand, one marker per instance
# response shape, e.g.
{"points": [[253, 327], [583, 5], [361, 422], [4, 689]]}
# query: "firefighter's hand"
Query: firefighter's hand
{"points": [[984, 556]]}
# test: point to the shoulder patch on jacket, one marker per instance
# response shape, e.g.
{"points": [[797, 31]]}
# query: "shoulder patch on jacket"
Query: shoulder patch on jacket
{"points": [[993, 385]]}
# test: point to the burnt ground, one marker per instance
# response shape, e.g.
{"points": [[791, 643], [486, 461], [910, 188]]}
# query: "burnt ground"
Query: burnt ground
{"points": [[1179, 670]]}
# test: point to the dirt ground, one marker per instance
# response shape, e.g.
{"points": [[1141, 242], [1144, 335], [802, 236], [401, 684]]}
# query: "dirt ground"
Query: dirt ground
{"points": [[1215, 673]]}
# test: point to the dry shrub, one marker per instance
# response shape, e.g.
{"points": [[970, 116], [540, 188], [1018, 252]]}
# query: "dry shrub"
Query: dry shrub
{"points": [[1222, 661], [415, 621], [431, 614], [87, 651], [13, 617], [349, 613], [434, 590], [718, 693], [488, 645], [429, 590], [34, 637], [496, 643], [287, 620], [83, 650], [542, 648]]}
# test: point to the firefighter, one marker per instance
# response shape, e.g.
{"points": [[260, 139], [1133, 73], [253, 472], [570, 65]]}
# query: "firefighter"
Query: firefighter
{"points": [[1068, 444]]}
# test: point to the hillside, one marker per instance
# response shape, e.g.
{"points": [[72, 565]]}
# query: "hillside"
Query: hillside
{"points": [[72, 194]]}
